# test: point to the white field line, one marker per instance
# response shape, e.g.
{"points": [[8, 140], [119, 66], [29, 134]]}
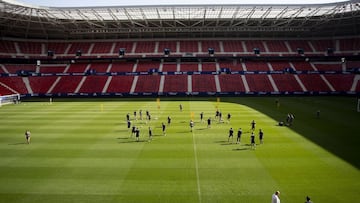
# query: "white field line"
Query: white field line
{"points": [[197, 168]]}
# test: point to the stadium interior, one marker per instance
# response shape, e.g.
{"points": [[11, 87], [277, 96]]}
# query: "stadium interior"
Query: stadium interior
{"points": [[180, 50]]}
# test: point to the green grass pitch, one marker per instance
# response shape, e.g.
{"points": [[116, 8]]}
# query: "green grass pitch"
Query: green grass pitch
{"points": [[81, 151]]}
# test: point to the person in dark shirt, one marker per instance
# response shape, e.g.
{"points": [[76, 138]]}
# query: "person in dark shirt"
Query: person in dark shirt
{"points": [[128, 124], [201, 116], [253, 125], [209, 122], [147, 114], [252, 137], [127, 116], [228, 117], [239, 133], [133, 131], [231, 134], [163, 129], [261, 136], [169, 120], [150, 134], [137, 134], [308, 200]]}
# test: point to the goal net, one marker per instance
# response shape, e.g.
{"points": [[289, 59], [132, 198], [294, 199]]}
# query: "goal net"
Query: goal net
{"points": [[9, 99]]}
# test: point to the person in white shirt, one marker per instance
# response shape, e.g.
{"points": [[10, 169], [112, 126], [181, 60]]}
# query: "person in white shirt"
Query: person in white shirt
{"points": [[275, 197], [27, 136]]}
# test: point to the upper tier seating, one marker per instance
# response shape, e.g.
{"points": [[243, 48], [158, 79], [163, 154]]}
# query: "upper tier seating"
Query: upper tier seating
{"points": [[14, 68], [276, 46], [300, 44], [208, 66], [256, 66], [167, 45], [234, 65], [52, 68], [328, 67], [233, 46], [122, 67], [102, 48], [145, 47], [58, 48], [77, 68], [243, 47], [280, 65], [169, 67], [189, 46], [145, 66], [30, 48], [189, 67]]}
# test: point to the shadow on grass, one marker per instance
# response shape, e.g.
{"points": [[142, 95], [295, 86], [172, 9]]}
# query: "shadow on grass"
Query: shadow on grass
{"points": [[241, 149], [121, 131], [228, 143], [202, 128], [335, 131], [221, 141], [19, 143], [132, 141]]}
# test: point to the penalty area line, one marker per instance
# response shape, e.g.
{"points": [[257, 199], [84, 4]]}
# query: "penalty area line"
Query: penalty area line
{"points": [[196, 168]]}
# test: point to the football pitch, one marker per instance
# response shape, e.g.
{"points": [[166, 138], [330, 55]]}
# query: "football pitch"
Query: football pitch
{"points": [[82, 151]]}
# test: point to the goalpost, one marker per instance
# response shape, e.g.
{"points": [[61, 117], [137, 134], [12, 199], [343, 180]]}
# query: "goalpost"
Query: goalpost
{"points": [[9, 99]]}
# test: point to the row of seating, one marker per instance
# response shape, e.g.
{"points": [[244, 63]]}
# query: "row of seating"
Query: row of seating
{"points": [[181, 83], [107, 48], [144, 66]]}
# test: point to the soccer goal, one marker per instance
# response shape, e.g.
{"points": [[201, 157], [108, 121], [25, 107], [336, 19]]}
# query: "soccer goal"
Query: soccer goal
{"points": [[9, 99]]}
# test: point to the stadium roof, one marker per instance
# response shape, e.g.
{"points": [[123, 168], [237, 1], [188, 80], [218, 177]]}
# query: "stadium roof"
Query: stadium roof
{"points": [[216, 20]]}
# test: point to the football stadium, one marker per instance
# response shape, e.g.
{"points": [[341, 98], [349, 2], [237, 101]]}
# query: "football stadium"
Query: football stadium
{"points": [[180, 102]]}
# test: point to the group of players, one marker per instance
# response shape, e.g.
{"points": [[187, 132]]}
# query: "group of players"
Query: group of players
{"points": [[252, 136], [135, 131]]}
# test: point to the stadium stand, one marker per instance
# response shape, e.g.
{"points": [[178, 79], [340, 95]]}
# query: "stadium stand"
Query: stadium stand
{"points": [[259, 83], [231, 83], [147, 84], [203, 83], [290, 59], [287, 83], [176, 84], [120, 84]]}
